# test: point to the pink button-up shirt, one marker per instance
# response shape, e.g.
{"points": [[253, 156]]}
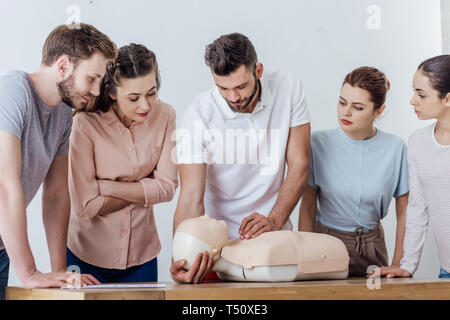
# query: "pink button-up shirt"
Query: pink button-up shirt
{"points": [[101, 147]]}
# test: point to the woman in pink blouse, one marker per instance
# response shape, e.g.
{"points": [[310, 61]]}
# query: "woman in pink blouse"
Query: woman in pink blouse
{"points": [[120, 166]]}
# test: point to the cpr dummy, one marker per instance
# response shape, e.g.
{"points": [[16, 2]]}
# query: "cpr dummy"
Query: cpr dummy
{"points": [[270, 257]]}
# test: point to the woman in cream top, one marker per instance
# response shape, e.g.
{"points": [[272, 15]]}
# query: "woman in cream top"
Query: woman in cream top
{"points": [[120, 166], [428, 159]]}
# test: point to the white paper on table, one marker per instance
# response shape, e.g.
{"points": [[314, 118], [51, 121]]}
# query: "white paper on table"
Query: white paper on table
{"points": [[120, 286]]}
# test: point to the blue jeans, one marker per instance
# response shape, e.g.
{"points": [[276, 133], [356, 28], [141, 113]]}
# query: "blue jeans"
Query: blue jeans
{"points": [[147, 272], [444, 274], [4, 272]]}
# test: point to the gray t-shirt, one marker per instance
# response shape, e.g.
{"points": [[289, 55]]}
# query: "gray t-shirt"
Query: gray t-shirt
{"points": [[43, 131]]}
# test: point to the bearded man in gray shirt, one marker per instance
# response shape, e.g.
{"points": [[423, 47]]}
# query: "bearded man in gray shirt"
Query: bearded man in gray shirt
{"points": [[35, 124]]}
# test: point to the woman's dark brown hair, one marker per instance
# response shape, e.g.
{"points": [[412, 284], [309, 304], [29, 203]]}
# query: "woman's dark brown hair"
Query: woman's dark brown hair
{"points": [[372, 80], [133, 61], [437, 69]]}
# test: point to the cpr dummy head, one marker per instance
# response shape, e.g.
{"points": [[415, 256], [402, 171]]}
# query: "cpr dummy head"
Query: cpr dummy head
{"points": [[196, 235]]}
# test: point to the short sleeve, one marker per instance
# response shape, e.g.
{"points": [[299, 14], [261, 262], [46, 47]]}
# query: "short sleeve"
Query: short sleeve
{"points": [[403, 177], [191, 147], [13, 106], [63, 148], [299, 107]]}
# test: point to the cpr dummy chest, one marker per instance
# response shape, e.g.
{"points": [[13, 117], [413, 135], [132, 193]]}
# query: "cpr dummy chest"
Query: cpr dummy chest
{"points": [[312, 252]]}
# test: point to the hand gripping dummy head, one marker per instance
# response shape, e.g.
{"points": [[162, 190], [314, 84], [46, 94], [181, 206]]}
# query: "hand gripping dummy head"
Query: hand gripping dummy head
{"points": [[197, 235]]}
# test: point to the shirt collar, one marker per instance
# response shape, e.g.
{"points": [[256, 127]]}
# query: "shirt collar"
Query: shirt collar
{"points": [[110, 117], [265, 99], [359, 142]]}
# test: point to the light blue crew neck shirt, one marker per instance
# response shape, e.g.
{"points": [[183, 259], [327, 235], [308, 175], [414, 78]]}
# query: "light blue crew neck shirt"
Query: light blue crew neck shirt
{"points": [[356, 179]]}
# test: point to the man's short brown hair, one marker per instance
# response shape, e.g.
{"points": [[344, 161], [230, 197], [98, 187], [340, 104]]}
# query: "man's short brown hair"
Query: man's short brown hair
{"points": [[227, 53], [78, 43]]}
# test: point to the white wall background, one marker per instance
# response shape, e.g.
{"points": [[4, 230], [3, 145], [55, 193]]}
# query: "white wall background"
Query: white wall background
{"points": [[321, 41], [445, 17]]}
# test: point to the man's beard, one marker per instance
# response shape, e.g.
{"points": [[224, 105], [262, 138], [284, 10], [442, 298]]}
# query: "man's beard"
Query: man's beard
{"points": [[66, 90], [250, 98]]}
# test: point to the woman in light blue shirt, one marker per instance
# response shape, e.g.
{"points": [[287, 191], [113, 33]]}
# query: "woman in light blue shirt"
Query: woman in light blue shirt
{"points": [[355, 172]]}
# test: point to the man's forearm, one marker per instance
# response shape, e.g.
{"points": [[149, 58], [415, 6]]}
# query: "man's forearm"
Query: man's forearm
{"points": [[187, 210], [13, 230], [190, 202], [56, 215], [289, 195]]}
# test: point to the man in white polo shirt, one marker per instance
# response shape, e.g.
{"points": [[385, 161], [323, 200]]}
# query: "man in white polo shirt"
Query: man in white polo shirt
{"points": [[233, 144]]}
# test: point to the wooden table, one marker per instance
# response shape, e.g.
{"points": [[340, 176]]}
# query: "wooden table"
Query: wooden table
{"points": [[350, 289]]}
